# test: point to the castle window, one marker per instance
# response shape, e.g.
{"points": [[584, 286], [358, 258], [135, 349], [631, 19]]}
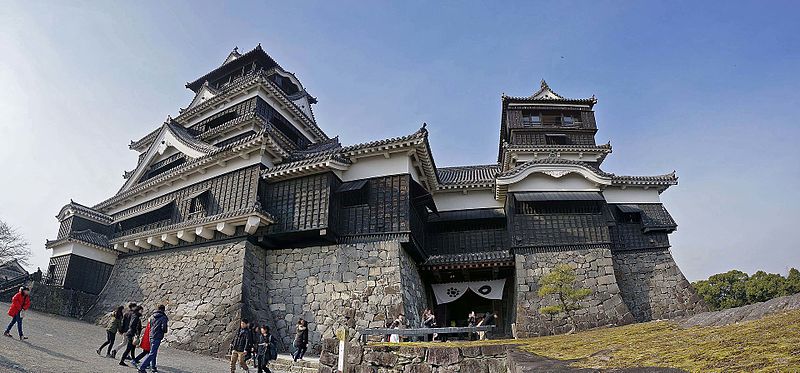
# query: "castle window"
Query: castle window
{"points": [[557, 207], [198, 204], [353, 193], [630, 213], [556, 139], [531, 118], [568, 120]]}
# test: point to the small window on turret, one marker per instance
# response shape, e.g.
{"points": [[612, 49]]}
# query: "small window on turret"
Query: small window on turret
{"points": [[556, 139], [531, 118], [568, 120]]}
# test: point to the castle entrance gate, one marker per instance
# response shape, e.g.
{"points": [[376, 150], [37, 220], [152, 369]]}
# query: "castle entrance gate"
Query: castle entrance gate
{"points": [[456, 290]]}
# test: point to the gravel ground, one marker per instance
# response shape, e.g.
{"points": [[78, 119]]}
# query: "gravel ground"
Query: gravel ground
{"points": [[60, 344]]}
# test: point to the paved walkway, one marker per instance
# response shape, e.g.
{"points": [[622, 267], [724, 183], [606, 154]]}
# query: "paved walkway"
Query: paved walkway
{"points": [[59, 344]]}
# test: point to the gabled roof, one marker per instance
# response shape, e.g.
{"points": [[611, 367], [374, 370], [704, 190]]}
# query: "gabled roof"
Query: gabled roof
{"points": [[12, 266], [263, 138], [233, 55], [74, 208], [246, 83], [231, 60], [86, 237], [204, 93], [546, 95], [170, 135], [507, 150], [332, 155]]}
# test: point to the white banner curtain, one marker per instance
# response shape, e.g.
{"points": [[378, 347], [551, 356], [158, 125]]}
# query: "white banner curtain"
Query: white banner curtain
{"points": [[492, 289], [448, 292], [451, 291]]}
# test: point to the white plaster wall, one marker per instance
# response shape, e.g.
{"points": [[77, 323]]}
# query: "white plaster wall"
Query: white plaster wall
{"points": [[86, 252], [364, 168], [473, 199], [631, 195], [542, 182]]}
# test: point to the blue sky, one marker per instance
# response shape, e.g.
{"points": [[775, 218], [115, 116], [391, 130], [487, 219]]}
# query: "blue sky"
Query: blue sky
{"points": [[709, 89]]}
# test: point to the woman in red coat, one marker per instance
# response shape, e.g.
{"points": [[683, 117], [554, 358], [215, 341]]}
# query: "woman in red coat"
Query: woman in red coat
{"points": [[20, 302]]}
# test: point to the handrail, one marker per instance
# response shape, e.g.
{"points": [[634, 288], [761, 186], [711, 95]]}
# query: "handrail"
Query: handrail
{"points": [[424, 331]]}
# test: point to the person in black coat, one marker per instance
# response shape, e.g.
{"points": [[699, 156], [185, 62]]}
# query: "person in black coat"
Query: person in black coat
{"points": [[239, 346], [300, 340], [134, 332], [266, 350]]}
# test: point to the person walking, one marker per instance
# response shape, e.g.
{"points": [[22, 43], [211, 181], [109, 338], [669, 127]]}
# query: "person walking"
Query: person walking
{"points": [[111, 330], [267, 350], [145, 346], [241, 342], [132, 336], [123, 328], [251, 350], [20, 302], [158, 328], [300, 340]]}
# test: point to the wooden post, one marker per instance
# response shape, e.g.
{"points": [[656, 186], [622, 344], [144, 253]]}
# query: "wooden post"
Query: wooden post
{"points": [[342, 336]]}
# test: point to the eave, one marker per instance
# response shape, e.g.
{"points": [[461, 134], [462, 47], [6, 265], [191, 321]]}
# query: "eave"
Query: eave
{"points": [[510, 152], [226, 223], [76, 209]]}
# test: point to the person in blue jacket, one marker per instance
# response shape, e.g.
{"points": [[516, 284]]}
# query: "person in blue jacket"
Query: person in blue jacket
{"points": [[158, 327]]}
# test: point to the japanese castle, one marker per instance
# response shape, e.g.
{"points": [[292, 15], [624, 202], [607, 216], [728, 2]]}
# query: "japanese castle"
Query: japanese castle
{"points": [[245, 171]]}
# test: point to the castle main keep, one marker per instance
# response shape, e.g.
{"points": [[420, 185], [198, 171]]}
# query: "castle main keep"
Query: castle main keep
{"points": [[242, 205]]}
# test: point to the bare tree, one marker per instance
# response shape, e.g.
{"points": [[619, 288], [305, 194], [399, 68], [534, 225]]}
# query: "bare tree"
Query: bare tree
{"points": [[13, 245]]}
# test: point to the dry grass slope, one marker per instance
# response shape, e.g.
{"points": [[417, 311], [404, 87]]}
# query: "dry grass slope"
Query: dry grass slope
{"points": [[769, 344]]}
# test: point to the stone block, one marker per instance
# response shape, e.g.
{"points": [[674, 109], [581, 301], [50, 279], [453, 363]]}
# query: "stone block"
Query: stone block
{"points": [[443, 356]]}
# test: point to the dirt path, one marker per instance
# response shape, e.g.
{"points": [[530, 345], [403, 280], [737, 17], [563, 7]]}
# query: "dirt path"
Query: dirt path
{"points": [[60, 344]]}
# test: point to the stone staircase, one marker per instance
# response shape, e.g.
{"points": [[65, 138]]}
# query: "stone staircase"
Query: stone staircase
{"points": [[284, 364]]}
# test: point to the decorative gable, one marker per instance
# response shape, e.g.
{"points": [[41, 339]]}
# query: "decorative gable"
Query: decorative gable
{"points": [[204, 94], [170, 136], [545, 93]]}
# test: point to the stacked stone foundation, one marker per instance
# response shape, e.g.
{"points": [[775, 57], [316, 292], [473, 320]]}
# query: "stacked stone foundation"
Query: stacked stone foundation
{"points": [[202, 288], [653, 286], [594, 269], [352, 286]]}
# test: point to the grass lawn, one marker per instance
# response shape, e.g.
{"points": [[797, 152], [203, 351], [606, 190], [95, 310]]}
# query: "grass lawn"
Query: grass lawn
{"points": [[769, 344]]}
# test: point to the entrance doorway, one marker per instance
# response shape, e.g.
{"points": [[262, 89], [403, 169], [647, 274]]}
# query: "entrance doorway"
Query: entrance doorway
{"points": [[456, 313]]}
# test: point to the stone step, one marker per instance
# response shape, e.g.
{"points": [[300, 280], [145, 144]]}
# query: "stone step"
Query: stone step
{"points": [[285, 364]]}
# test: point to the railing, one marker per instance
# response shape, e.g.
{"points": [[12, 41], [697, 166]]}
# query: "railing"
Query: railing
{"points": [[415, 332], [552, 123], [143, 228]]}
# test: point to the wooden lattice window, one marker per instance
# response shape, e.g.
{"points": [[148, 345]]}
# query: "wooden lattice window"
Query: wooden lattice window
{"points": [[558, 207]]}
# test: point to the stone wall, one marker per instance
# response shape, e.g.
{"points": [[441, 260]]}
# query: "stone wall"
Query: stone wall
{"points": [[60, 301], [653, 286], [200, 286], [407, 359], [354, 285], [594, 269], [414, 298]]}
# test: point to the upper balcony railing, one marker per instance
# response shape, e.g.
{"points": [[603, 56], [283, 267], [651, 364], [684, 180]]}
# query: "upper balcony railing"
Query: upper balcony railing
{"points": [[143, 228]]}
